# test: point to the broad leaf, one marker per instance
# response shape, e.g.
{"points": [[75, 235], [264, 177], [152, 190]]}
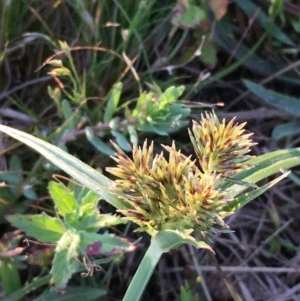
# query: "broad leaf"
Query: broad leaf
{"points": [[104, 244], [66, 260], [89, 218], [63, 198], [42, 227]]}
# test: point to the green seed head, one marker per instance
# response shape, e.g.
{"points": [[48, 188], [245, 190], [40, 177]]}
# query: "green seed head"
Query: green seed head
{"points": [[220, 147], [169, 191]]}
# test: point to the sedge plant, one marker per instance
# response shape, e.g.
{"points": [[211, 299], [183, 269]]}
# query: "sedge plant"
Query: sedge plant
{"points": [[176, 199]]}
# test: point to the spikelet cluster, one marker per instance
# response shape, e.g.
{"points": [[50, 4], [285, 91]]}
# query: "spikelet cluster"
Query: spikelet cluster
{"points": [[169, 190], [220, 147]]}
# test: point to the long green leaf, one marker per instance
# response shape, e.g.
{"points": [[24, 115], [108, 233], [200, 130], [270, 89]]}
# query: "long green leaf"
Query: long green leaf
{"points": [[78, 170], [245, 198], [250, 8], [264, 166], [280, 101]]}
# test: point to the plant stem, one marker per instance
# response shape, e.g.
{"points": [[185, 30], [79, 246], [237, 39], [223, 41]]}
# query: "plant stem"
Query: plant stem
{"points": [[144, 272]]}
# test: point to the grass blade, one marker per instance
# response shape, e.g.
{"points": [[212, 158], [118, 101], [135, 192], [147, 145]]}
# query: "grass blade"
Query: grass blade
{"points": [[264, 166], [77, 169]]}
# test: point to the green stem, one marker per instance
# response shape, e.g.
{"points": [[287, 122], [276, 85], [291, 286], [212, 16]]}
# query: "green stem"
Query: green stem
{"points": [[161, 242], [144, 272]]}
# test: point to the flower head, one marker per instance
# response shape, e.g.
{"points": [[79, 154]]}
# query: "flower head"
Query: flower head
{"points": [[173, 192], [221, 147], [167, 193]]}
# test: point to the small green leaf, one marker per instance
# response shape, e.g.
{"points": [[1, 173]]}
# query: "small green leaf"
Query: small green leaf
{"points": [[83, 195], [98, 143], [112, 102], [40, 226], [63, 198], [89, 218], [185, 292], [65, 262], [295, 22], [170, 96], [133, 135], [10, 177], [29, 193], [280, 101], [121, 140], [83, 220], [141, 109], [71, 116], [89, 198], [15, 163], [66, 110]]}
